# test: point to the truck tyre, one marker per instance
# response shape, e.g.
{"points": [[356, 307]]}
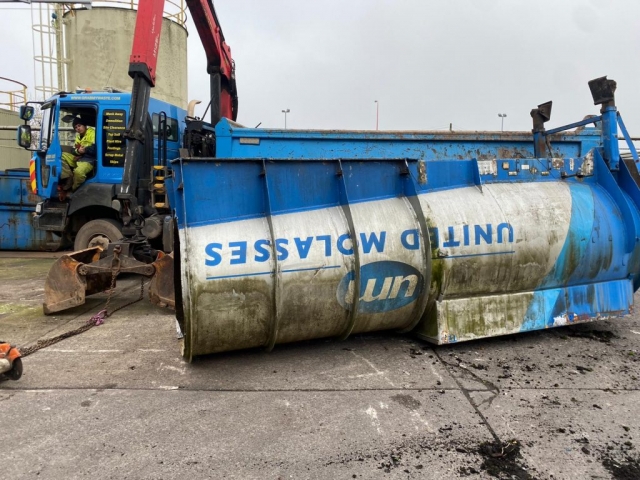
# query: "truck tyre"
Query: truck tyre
{"points": [[98, 233]]}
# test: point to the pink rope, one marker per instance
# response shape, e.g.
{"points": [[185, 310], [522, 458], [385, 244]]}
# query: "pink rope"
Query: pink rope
{"points": [[98, 318]]}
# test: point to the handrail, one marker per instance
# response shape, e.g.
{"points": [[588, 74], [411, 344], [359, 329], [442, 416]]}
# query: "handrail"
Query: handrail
{"points": [[15, 97]]}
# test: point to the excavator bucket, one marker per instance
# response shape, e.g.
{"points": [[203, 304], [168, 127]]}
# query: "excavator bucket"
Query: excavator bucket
{"points": [[66, 287], [162, 290], [76, 275]]}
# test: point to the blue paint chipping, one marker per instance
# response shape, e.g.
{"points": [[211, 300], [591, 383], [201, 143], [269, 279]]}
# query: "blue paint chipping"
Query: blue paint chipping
{"points": [[578, 235], [591, 276]]}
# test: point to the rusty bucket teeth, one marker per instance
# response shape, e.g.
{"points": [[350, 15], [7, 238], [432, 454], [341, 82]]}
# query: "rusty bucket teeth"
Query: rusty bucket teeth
{"points": [[161, 289], [65, 287]]}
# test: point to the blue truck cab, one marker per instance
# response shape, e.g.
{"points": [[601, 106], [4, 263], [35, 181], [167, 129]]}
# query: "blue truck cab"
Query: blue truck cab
{"points": [[90, 215]]}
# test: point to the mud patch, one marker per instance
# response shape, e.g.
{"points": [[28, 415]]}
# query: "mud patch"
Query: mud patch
{"points": [[413, 455], [406, 401], [626, 469], [503, 460], [621, 460], [604, 336]]}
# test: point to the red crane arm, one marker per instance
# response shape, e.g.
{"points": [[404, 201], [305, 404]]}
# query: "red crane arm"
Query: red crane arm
{"points": [[219, 60], [146, 40]]}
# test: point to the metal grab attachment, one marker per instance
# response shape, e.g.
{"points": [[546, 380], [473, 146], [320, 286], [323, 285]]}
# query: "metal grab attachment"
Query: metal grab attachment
{"points": [[162, 288], [65, 287], [76, 275]]}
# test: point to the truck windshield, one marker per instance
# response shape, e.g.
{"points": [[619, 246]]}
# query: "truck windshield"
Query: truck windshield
{"points": [[47, 125]]}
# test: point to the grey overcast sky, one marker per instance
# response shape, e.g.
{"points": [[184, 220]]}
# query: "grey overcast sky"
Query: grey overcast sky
{"points": [[428, 62]]}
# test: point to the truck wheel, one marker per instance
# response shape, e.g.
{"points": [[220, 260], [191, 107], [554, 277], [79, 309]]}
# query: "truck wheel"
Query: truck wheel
{"points": [[98, 233]]}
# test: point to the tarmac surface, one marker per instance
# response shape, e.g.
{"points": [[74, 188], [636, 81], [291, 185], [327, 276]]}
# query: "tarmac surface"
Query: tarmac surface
{"points": [[118, 401]]}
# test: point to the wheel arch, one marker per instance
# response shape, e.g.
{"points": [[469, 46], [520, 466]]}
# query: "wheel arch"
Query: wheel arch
{"points": [[92, 195], [91, 201]]}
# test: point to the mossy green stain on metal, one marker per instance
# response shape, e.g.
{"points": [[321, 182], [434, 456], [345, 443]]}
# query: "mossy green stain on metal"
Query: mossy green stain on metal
{"points": [[477, 317], [437, 264], [437, 276], [207, 314], [428, 326]]}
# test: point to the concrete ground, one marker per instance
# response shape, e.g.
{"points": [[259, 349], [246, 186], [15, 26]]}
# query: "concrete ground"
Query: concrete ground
{"points": [[119, 402]]}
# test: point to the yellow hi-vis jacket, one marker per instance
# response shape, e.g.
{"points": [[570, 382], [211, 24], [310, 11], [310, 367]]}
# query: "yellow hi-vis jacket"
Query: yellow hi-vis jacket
{"points": [[88, 141]]}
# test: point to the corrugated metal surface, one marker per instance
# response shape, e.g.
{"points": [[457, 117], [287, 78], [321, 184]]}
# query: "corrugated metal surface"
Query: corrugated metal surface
{"points": [[17, 206], [11, 156], [279, 251]]}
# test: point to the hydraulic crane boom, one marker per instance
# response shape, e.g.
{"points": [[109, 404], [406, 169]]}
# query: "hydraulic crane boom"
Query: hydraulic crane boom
{"points": [[220, 65], [146, 41], [142, 68]]}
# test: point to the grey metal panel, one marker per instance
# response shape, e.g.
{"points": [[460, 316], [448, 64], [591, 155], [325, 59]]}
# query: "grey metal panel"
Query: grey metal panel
{"points": [[11, 156]]}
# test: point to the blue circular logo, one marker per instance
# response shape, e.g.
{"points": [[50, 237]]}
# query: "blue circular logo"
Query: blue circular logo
{"points": [[384, 286]]}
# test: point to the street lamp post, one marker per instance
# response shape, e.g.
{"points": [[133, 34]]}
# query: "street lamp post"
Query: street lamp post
{"points": [[502, 115], [377, 112], [285, 117]]}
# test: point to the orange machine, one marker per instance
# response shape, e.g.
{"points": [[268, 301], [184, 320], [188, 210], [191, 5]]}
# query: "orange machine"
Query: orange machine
{"points": [[10, 362]]}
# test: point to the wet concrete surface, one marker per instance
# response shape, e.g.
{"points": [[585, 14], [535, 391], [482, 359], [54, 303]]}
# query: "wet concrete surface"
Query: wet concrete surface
{"points": [[118, 401]]}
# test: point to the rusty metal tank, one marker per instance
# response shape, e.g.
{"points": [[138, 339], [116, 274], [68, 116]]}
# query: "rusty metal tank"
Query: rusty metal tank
{"points": [[295, 235]]}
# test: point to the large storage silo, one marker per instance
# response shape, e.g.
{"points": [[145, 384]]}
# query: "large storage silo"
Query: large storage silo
{"points": [[12, 95], [98, 46]]}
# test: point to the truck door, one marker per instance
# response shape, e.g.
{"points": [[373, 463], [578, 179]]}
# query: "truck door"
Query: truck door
{"points": [[57, 137], [48, 157]]}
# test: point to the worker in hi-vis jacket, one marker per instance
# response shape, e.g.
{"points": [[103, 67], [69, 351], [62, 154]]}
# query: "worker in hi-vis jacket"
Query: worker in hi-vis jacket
{"points": [[77, 165]]}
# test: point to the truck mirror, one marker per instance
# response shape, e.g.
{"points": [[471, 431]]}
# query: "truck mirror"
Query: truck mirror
{"points": [[24, 136], [26, 112]]}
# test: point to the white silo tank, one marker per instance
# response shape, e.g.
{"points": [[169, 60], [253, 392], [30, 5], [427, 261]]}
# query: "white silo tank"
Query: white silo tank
{"points": [[98, 46]]}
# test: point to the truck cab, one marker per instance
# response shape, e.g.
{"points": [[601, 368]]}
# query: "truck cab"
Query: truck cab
{"points": [[90, 216]]}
